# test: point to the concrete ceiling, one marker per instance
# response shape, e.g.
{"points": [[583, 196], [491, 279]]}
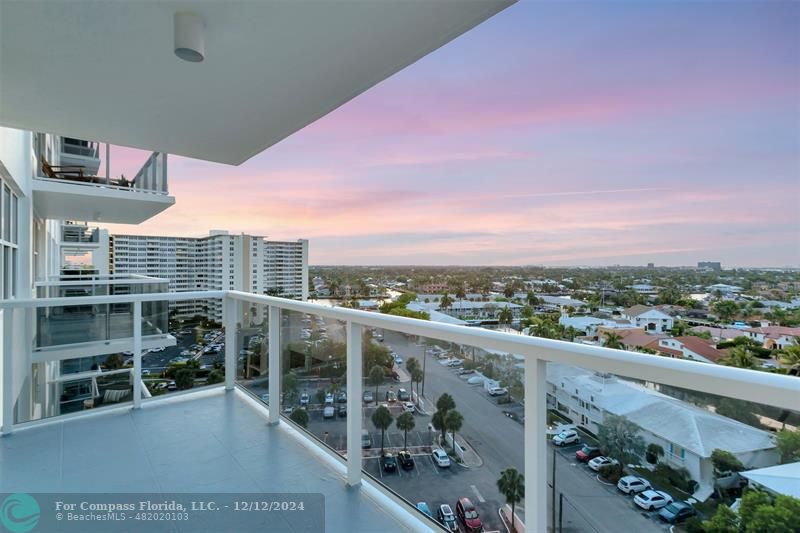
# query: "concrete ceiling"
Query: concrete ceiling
{"points": [[106, 70]]}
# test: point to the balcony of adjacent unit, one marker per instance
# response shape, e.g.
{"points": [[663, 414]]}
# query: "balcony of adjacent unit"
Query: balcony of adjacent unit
{"points": [[80, 153], [76, 192], [287, 396], [66, 330], [77, 237]]}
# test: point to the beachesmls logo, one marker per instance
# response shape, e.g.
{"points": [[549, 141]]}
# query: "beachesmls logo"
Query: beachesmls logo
{"points": [[19, 513]]}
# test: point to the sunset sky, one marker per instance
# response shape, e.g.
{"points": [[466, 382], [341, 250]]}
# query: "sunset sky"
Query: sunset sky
{"points": [[557, 133]]}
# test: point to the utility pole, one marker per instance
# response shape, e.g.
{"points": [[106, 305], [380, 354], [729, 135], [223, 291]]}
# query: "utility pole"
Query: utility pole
{"points": [[424, 365]]}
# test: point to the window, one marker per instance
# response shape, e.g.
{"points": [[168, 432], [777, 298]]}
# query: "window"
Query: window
{"points": [[9, 237]]}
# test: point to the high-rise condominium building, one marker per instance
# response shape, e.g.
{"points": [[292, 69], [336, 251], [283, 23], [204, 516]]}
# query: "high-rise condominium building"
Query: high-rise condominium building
{"points": [[219, 261]]}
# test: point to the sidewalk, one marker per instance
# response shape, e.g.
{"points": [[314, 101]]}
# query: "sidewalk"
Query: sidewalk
{"points": [[402, 375], [469, 457]]}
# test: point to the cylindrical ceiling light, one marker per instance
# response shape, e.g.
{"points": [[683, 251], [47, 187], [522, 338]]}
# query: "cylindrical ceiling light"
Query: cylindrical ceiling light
{"points": [[189, 37]]}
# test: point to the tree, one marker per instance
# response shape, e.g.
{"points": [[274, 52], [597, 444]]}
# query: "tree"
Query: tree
{"points": [[788, 443], [508, 291], [613, 340], [289, 385], [438, 421], [460, 292], [405, 423], [505, 316], [299, 417], [724, 461], [724, 520], [412, 364], [526, 311], [654, 451], [531, 299], [726, 310], [382, 419], [619, 438], [113, 362], [215, 376], [790, 356], [184, 378], [375, 378], [445, 403], [446, 302], [511, 485], [453, 422], [740, 357], [417, 375]]}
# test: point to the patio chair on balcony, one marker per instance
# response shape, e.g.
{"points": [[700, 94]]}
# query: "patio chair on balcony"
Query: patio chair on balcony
{"points": [[70, 172]]}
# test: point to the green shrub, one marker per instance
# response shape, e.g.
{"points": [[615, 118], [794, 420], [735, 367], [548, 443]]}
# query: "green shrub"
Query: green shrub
{"points": [[611, 473]]}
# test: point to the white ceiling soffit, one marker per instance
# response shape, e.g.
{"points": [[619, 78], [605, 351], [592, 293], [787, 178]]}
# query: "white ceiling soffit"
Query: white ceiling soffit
{"points": [[106, 70]]}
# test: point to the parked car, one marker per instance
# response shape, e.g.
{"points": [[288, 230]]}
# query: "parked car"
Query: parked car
{"points": [[328, 411], [408, 407], [652, 499], [587, 453], [304, 399], [329, 399], [341, 397], [388, 462], [423, 507], [468, 515], [498, 391], [342, 411], [391, 396], [440, 458], [446, 517], [633, 484], [564, 438], [599, 462], [403, 395], [265, 397], [368, 397], [465, 371], [675, 512], [366, 440], [455, 362], [406, 461], [398, 360]]}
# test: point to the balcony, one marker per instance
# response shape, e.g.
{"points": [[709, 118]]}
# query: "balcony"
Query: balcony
{"points": [[73, 193], [79, 237], [77, 152], [218, 439]]}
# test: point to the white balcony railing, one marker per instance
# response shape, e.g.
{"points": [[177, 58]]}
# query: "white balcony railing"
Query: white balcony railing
{"points": [[765, 388]]}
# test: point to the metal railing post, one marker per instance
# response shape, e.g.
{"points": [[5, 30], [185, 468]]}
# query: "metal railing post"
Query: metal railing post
{"points": [[229, 319], [164, 187], [7, 420], [354, 386], [274, 350], [137, 354], [535, 445]]}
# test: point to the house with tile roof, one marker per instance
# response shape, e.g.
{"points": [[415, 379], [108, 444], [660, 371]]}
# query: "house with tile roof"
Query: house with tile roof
{"points": [[774, 337], [690, 347], [649, 318]]}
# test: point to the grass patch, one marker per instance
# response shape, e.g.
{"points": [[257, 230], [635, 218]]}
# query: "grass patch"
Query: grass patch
{"points": [[661, 482]]}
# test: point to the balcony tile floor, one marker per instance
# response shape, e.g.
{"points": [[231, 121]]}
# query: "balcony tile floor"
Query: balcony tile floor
{"points": [[206, 442]]}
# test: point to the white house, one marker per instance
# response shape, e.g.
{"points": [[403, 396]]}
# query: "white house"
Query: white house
{"points": [[690, 347], [688, 434], [588, 324], [774, 337], [649, 318]]}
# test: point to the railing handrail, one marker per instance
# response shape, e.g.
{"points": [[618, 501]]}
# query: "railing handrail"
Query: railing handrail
{"points": [[102, 185], [755, 386], [93, 281]]}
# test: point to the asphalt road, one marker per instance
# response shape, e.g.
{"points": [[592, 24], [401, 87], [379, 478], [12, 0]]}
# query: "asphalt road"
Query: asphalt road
{"points": [[589, 505]]}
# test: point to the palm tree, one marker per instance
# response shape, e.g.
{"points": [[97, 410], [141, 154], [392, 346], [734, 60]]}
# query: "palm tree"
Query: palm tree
{"points": [[512, 485], [382, 419], [740, 357], [532, 299], [405, 423], [417, 375], [445, 403], [791, 357], [446, 302], [613, 340], [375, 378], [453, 422], [438, 421], [505, 316], [460, 292], [411, 365]]}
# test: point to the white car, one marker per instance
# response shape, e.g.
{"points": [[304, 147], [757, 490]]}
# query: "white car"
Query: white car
{"points": [[651, 500], [455, 362], [328, 412], [498, 391], [329, 399], [304, 399], [440, 458], [599, 462], [408, 407], [633, 484], [569, 436]]}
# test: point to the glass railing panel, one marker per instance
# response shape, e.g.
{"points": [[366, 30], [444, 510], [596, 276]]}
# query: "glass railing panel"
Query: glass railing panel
{"points": [[432, 391], [314, 368], [198, 357], [61, 325], [252, 348]]}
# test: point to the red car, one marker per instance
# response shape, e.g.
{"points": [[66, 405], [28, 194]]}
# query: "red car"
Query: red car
{"points": [[587, 453], [468, 516]]}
